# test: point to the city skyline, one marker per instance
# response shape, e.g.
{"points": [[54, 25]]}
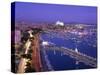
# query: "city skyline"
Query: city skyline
{"points": [[53, 37]]}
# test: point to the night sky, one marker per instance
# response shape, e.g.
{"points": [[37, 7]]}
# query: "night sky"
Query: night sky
{"points": [[50, 13]]}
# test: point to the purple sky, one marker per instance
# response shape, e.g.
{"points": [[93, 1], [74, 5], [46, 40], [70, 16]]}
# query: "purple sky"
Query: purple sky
{"points": [[50, 13]]}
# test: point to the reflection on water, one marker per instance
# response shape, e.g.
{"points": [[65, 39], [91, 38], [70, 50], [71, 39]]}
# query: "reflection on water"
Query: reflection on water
{"points": [[59, 61], [81, 40]]}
